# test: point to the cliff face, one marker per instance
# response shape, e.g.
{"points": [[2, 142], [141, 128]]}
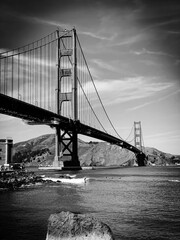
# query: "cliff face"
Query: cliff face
{"points": [[40, 151], [104, 154]]}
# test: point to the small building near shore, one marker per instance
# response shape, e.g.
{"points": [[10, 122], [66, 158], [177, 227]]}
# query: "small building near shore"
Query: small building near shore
{"points": [[6, 146]]}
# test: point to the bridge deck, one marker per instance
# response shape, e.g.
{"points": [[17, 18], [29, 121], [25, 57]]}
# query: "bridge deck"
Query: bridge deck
{"points": [[29, 112]]}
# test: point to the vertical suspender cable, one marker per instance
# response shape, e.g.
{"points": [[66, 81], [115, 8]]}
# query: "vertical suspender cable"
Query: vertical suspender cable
{"points": [[30, 78], [1, 83], [48, 75], [0, 74], [12, 79], [23, 76], [43, 61], [33, 71], [18, 72], [40, 89], [28, 74]]}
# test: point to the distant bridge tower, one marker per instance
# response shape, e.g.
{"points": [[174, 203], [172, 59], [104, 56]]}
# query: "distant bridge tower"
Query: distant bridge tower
{"points": [[138, 140], [138, 135], [66, 146]]}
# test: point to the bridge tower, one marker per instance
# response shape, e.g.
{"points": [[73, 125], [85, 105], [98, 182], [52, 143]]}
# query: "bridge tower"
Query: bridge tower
{"points": [[66, 143], [141, 157], [138, 135]]}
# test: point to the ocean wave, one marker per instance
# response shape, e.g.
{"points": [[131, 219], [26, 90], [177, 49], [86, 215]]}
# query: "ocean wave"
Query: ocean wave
{"points": [[174, 180], [67, 180]]}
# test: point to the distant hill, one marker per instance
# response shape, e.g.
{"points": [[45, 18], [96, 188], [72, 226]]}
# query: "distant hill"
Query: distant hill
{"points": [[41, 150], [157, 157]]}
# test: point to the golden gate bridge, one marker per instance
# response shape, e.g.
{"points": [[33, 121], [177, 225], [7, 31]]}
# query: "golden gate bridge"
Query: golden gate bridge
{"points": [[49, 82]]}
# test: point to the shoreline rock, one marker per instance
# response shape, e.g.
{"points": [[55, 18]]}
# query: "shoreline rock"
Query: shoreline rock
{"points": [[73, 226], [16, 179]]}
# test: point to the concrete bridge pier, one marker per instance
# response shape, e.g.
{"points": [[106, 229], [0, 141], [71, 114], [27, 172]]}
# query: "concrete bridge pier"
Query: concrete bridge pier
{"points": [[66, 149], [58, 153], [141, 159], [70, 150]]}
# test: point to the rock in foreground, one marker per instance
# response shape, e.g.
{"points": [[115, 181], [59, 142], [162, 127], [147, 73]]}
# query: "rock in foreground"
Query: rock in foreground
{"points": [[70, 226]]}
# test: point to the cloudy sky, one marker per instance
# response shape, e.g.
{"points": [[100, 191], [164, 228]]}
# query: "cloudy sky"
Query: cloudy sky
{"points": [[133, 52]]}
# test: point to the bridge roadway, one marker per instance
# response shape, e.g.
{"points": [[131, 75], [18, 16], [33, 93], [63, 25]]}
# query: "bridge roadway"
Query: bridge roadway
{"points": [[17, 108]]}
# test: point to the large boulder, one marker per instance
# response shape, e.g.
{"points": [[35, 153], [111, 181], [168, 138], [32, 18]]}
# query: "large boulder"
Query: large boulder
{"points": [[72, 226]]}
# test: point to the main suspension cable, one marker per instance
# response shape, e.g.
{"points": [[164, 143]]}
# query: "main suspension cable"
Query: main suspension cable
{"points": [[97, 91]]}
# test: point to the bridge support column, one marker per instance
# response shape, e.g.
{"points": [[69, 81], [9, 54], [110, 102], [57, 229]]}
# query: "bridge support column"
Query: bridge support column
{"points": [[141, 159], [69, 143], [75, 158], [57, 158]]}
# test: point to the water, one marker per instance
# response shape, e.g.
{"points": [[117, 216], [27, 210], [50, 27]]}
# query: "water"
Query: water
{"points": [[137, 203]]}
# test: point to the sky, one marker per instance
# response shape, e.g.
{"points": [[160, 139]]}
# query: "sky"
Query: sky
{"points": [[133, 52]]}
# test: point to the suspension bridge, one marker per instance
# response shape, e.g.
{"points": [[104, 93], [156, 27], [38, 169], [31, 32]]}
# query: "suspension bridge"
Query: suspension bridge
{"points": [[49, 82]]}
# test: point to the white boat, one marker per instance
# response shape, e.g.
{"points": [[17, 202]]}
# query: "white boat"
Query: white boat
{"points": [[67, 180]]}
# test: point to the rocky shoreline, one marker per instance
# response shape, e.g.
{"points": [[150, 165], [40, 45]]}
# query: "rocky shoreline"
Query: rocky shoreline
{"points": [[12, 180]]}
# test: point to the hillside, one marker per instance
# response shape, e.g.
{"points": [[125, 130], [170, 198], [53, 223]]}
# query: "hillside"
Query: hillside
{"points": [[40, 151], [156, 157]]}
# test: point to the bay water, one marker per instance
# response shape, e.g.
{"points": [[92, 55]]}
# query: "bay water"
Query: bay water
{"points": [[137, 203]]}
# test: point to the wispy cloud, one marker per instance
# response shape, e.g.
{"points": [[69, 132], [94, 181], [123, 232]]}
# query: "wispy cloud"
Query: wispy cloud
{"points": [[114, 66], [57, 24], [120, 91], [145, 51], [104, 65], [174, 32], [67, 26], [160, 24], [98, 36], [130, 40], [154, 101], [164, 135]]}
